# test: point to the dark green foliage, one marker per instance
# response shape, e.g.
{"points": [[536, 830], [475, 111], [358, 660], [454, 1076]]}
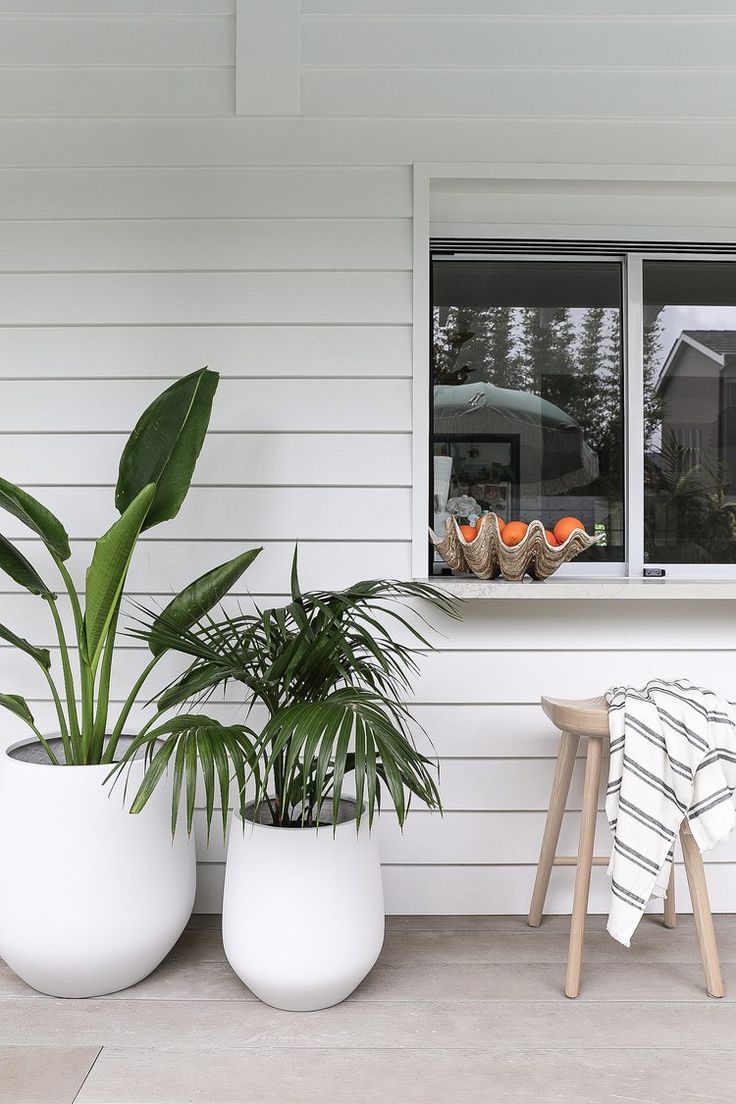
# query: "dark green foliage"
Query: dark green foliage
{"points": [[20, 570], [155, 474], [165, 444], [688, 518], [333, 669], [36, 516], [196, 600]]}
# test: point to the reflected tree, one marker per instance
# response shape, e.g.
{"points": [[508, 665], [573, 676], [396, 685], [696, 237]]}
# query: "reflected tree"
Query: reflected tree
{"points": [[653, 405]]}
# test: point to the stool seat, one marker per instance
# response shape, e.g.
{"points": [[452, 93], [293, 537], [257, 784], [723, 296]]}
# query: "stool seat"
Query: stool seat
{"points": [[583, 716]]}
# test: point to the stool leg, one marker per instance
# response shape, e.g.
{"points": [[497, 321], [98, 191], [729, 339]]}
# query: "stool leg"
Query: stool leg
{"points": [[557, 801], [585, 863], [701, 911], [670, 908]]}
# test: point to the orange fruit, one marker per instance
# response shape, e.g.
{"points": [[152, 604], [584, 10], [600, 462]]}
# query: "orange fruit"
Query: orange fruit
{"points": [[501, 523], [551, 538], [514, 532], [469, 532], [565, 526]]}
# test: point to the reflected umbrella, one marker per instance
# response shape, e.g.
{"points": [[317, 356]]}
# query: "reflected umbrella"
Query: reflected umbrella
{"points": [[555, 455]]}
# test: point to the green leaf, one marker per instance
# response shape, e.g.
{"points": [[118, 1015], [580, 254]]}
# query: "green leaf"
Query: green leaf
{"points": [[193, 740], [164, 446], [14, 564], [18, 706], [36, 516], [295, 588], [41, 655], [197, 599], [194, 683], [106, 574]]}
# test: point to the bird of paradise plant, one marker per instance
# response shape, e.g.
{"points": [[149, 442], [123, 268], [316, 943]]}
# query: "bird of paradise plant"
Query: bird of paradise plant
{"points": [[155, 474]]}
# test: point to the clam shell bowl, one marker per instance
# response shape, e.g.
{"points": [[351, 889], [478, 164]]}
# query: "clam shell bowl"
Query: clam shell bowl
{"points": [[488, 557]]}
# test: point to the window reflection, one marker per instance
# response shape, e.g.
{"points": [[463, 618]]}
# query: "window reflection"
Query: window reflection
{"points": [[527, 394], [690, 460]]}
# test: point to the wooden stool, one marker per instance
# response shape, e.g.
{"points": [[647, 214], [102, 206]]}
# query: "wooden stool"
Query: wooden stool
{"points": [[589, 719]]}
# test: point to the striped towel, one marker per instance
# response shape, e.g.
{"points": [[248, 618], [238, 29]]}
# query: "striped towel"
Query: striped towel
{"points": [[673, 755]]}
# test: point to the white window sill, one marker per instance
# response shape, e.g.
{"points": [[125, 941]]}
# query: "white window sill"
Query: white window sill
{"points": [[586, 588]]}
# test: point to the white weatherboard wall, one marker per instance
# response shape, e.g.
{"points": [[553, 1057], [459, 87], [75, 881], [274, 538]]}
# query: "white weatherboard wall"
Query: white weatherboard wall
{"points": [[147, 229]]}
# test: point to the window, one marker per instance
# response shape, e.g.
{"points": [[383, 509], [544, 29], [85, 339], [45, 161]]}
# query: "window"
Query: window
{"points": [[599, 384], [690, 412]]}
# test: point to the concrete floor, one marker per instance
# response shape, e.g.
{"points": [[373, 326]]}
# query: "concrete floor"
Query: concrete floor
{"points": [[458, 1009]]}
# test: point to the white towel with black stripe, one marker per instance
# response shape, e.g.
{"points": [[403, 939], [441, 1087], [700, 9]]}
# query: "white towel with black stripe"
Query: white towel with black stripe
{"points": [[673, 756]]}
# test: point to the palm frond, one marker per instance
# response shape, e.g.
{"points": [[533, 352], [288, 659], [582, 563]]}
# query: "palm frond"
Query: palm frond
{"points": [[194, 742], [334, 670]]}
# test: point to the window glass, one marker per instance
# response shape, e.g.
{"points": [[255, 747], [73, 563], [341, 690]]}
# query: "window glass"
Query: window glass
{"points": [[527, 394], [690, 411]]}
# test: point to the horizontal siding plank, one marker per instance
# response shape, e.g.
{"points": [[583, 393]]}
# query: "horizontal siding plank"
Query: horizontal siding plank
{"points": [[163, 567], [402, 41], [609, 205], [249, 514], [637, 93], [472, 790], [487, 890], [122, 40], [263, 297], [250, 405], [66, 144], [216, 244], [500, 889], [165, 352], [466, 839], [480, 731], [255, 192], [536, 9], [509, 677], [266, 459], [107, 91], [603, 625], [177, 8], [501, 838]]}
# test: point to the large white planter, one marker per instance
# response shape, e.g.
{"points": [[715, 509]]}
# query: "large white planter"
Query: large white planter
{"points": [[92, 898], [303, 914]]}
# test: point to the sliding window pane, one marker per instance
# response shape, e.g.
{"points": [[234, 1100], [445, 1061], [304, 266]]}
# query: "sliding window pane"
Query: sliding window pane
{"points": [[528, 394], [690, 412]]}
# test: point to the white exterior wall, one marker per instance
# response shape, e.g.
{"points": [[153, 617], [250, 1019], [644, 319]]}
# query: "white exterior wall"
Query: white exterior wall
{"points": [[146, 229]]}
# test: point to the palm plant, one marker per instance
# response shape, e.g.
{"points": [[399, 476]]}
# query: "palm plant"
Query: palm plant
{"points": [[332, 674], [156, 470], [690, 515]]}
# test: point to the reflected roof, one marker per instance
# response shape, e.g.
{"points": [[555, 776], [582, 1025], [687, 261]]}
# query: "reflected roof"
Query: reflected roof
{"points": [[718, 345], [722, 342]]}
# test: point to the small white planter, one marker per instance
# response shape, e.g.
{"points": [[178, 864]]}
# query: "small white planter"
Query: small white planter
{"points": [[91, 897], [303, 914]]}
